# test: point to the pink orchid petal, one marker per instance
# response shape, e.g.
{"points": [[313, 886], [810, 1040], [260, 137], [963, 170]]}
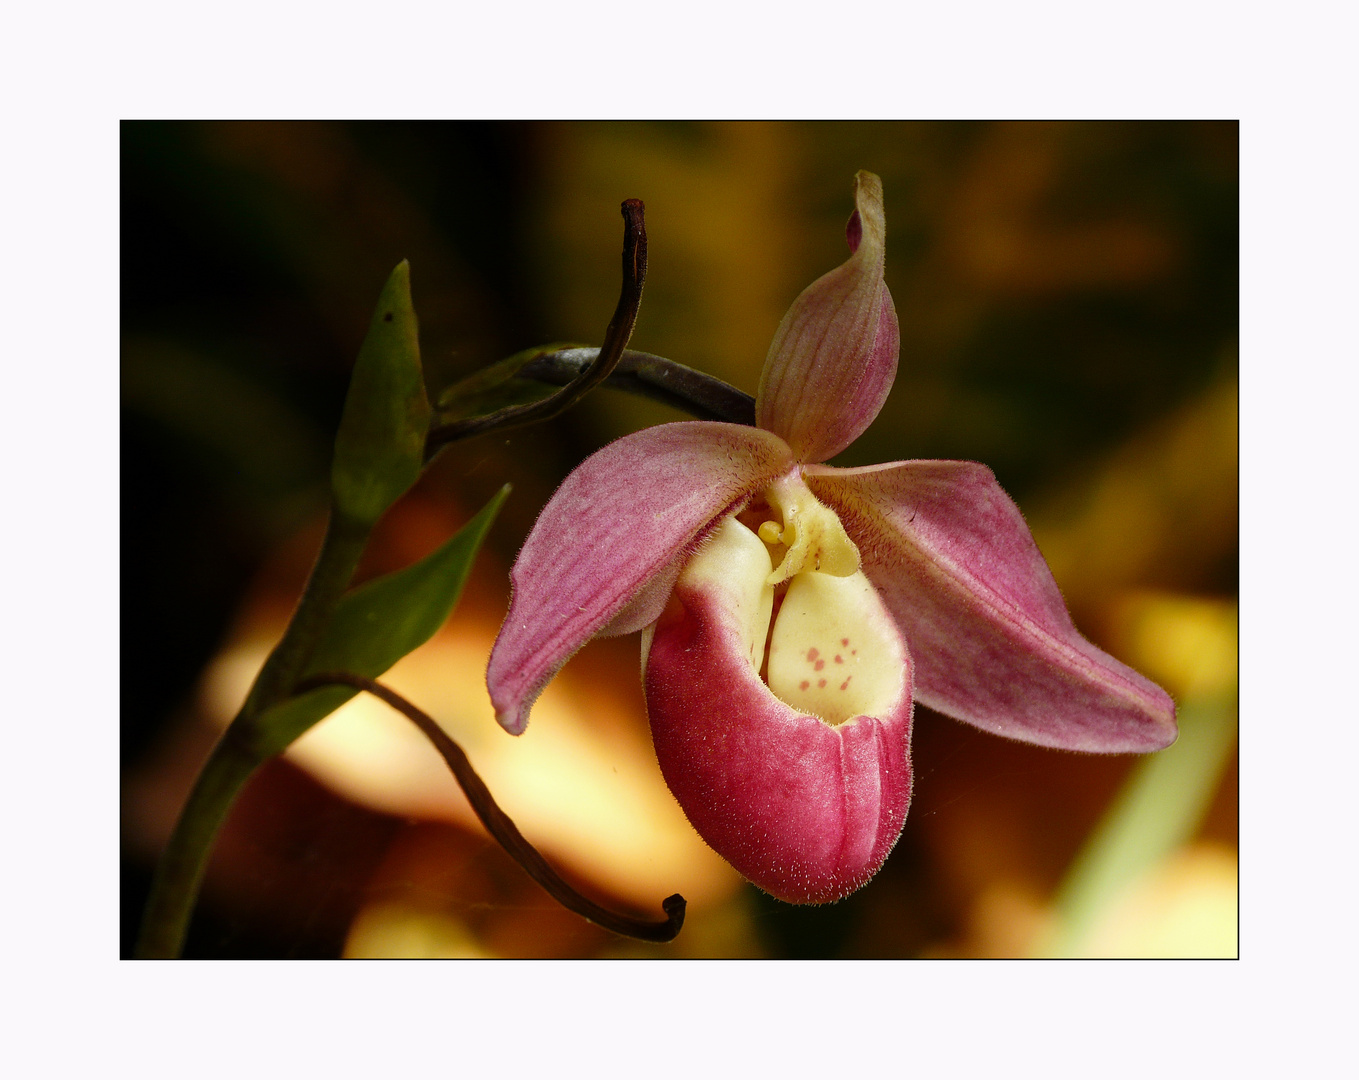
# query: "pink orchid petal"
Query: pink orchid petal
{"points": [[835, 353], [805, 810], [991, 637], [646, 606], [616, 522]]}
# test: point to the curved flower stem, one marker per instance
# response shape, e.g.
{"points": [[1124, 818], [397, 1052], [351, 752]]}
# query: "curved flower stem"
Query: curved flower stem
{"points": [[499, 825], [615, 340], [650, 376], [174, 889]]}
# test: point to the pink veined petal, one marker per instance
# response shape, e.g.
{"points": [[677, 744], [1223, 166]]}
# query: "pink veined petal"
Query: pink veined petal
{"points": [[834, 356], [617, 521], [991, 637], [807, 811], [646, 606]]}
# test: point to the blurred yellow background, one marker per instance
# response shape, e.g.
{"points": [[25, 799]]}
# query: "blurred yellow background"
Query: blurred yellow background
{"points": [[1068, 304]]}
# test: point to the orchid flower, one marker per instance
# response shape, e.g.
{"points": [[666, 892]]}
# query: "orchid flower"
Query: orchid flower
{"points": [[792, 613]]}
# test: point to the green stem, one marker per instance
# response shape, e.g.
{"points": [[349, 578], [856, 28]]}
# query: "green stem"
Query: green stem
{"points": [[174, 889], [335, 565], [180, 871]]}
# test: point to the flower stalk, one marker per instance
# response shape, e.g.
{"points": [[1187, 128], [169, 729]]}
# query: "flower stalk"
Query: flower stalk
{"points": [[701, 395], [385, 440], [502, 828]]}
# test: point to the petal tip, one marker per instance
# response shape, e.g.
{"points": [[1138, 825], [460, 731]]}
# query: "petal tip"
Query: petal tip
{"points": [[1167, 723], [834, 356], [868, 206], [514, 720]]}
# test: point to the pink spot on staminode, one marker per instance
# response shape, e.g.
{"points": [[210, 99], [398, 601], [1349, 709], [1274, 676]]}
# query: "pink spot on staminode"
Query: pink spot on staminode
{"points": [[853, 652], [803, 684], [812, 654], [845, 685], [844, 641], [839, 659], [820, 682], [820, 664]]}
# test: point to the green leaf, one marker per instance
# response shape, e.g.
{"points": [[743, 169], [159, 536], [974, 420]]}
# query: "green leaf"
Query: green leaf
{"points": [[376, 625], [496, 387], [379, 449]]}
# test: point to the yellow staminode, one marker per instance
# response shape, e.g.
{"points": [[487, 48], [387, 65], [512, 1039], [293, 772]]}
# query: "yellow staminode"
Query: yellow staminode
{"points": [[812, 533], [832, 650]]}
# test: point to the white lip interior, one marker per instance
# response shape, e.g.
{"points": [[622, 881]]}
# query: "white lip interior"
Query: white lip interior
{"points": [[809, 623]]}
